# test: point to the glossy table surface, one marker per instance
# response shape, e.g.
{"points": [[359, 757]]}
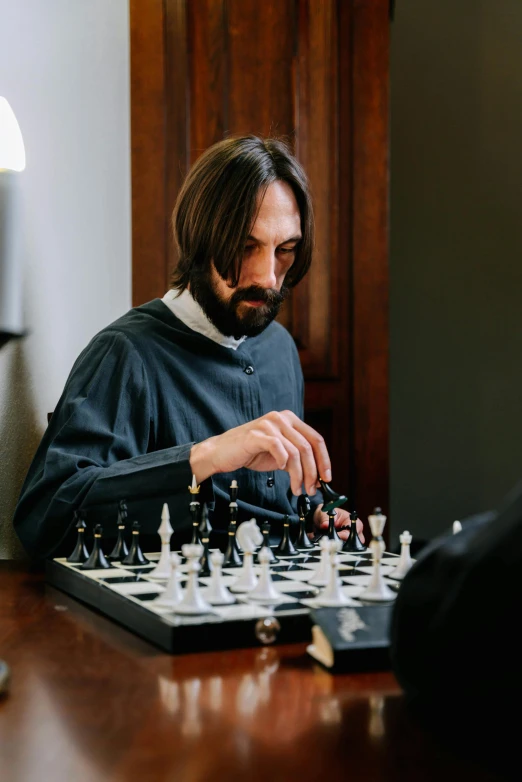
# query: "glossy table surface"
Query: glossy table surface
{"points": [[90, 701]]}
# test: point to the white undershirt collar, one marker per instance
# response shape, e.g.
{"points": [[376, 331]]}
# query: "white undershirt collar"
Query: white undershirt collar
{"points": [[186, 308]]}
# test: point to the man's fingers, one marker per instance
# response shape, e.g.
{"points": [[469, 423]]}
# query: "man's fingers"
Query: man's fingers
{"points": [[320, 452], [302, 463], [273, 446]]}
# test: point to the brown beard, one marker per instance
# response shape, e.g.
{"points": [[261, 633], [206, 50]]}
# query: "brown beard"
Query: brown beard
{"points": [[224, 315]]}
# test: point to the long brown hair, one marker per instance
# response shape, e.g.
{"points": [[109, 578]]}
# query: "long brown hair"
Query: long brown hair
{"points": [[217, 206]]}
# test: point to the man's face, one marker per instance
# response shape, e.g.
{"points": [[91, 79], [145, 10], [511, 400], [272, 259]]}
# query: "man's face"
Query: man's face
{"points": [[269, 253]]}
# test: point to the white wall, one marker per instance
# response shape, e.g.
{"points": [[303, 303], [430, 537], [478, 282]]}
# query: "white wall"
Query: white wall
{"points": [[456, 259], [64, 68]]}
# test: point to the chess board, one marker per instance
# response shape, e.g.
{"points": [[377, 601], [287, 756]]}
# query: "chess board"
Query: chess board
{"points": [[127, 595]]}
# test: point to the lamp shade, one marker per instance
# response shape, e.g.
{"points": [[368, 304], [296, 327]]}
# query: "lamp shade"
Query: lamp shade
{"points": [[12, 150]]}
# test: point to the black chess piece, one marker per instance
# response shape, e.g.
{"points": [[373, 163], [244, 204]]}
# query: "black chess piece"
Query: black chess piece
{"points": [[286, 548], [303, 542], [120, 549], [80, 553], [204, 536], [353, 542], [332, 532], [97, 559], [234, 489], [135, 555], [332, 500], [232, 557], [195, 508], [265, 530]]}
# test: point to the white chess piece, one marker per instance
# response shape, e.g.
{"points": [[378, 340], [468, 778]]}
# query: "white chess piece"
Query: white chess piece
{"points": [[457, 527], [193, 601], [332, 594], [405, 562], [249, 537], [322, 574], [265, 589], [377, 590], [217, 594], [173, 594], [163, 568]]}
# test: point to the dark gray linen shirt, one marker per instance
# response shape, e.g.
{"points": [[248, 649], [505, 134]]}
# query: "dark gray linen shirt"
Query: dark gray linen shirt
{"points": [[143, 391]]}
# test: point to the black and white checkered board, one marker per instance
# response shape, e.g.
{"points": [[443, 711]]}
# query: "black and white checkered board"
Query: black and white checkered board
{"points": [[127, 595]]}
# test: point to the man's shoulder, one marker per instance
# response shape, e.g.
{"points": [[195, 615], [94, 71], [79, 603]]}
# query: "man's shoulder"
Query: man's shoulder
{"points": [[141, 326]]}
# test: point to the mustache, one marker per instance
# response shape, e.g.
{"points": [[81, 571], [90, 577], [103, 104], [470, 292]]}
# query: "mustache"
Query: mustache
{"points": [[268, 296]]}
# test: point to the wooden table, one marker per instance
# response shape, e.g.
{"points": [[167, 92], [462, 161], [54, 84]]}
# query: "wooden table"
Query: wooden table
{"points": [[89, 701]]}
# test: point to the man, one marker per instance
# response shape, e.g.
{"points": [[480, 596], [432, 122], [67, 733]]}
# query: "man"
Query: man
{"points": [[204, 382]]}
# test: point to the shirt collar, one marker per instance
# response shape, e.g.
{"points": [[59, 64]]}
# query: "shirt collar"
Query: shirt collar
{"points": [[187, 309]]}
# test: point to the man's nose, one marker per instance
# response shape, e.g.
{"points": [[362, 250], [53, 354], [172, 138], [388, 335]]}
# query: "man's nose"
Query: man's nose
{"points": [[263, 270]]}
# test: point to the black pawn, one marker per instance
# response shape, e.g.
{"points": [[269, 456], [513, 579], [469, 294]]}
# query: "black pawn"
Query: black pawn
{"points": [[286, 548], [204, 536], [265, 530], [303, 542], [332, 500], [332, 532], [80, 553], [97, 560], [232, 557], [120, 550], [353, 542], [135, 555]]}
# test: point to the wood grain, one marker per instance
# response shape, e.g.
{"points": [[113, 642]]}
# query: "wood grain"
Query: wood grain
{"points": [[148, 148]]}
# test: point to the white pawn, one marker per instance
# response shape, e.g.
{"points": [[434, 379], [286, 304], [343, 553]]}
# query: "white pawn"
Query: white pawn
{"points": [[217, 594], [405, 562], [377, 590], [457, 527], [322, 574], [163, 568], [249, 538], [332, 594], [265, 589], [193, 601], [173, 593]]}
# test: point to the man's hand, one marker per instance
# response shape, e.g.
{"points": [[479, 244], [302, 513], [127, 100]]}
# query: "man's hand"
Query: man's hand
{"points": [[342, 518], [276, 441]]}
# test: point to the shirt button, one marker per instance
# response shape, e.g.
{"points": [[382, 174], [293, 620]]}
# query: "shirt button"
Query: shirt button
{"points": [[270, 482], [249, 370]]}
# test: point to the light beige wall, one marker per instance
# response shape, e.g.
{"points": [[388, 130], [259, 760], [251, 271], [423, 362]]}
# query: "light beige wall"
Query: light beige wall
{"points": [[64, 67], [456, 259]]}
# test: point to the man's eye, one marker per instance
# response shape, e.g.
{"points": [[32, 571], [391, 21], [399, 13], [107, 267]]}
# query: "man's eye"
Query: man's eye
{"points": [[249, 247], [287, 250]]}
